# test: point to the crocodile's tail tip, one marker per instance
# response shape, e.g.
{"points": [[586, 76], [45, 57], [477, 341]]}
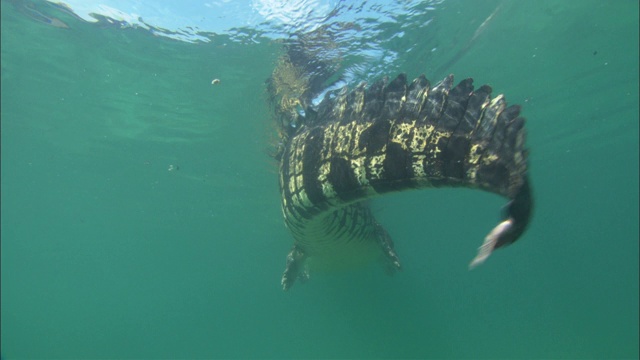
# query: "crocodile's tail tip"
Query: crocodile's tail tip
{"points": [[490, 242]]}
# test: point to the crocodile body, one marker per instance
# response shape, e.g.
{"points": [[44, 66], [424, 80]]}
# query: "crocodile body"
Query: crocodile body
{"points": [[394, 136]]}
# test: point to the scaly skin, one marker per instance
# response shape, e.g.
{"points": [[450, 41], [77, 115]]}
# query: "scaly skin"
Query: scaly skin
{"points": [[396, 136]]}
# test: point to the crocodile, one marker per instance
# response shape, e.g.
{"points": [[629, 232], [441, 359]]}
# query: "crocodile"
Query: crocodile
{"points": [[393, 135]]}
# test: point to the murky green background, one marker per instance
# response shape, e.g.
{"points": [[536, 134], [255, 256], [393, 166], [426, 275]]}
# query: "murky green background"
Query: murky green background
{"points": [[108, 254]]}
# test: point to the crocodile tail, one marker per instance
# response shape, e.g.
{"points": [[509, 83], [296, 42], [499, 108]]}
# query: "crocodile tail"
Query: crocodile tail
{"points": [[395, 136]]}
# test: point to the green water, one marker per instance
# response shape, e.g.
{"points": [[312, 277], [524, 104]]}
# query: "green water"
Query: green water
{"points": [[108, 254]]}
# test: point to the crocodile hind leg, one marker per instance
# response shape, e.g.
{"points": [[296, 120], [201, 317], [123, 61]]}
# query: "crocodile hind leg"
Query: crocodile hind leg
{"points": [[390, 258], [295, 268]]}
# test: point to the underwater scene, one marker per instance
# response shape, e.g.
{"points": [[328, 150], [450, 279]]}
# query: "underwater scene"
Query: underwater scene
{"points": [[157, 202]]}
